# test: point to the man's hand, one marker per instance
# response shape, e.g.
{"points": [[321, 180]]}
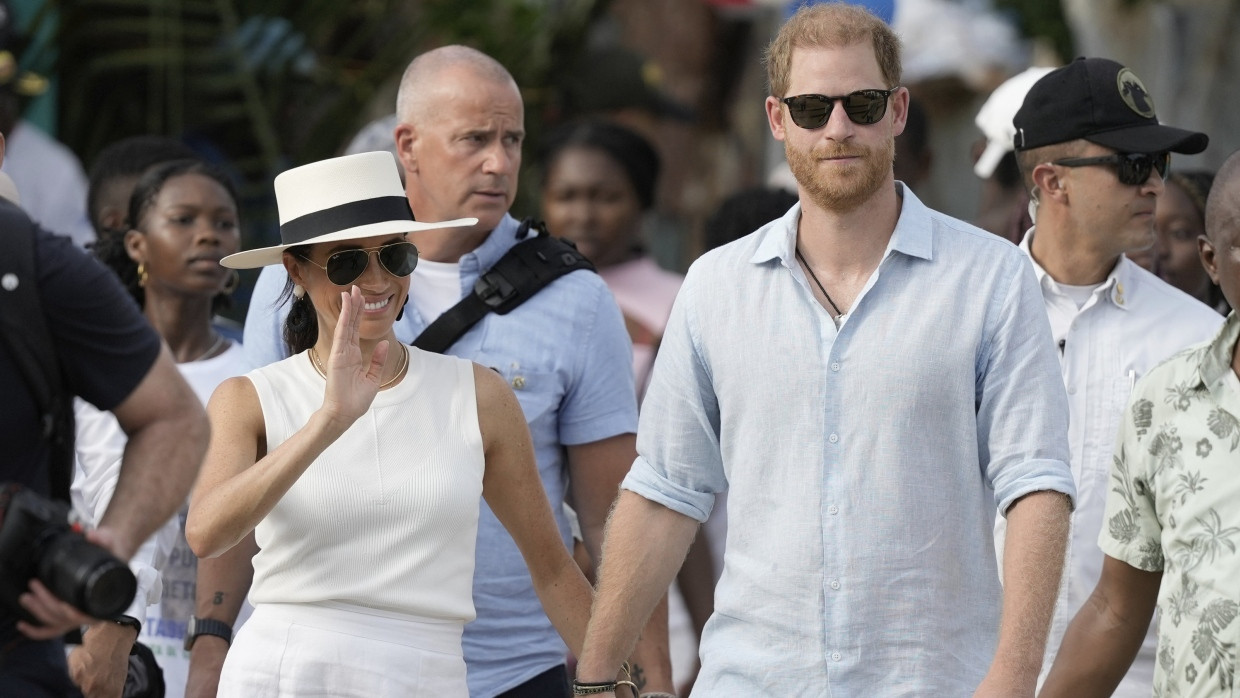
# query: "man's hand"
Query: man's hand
{"points": [[55, 616], [100, 665], [205, 663]]}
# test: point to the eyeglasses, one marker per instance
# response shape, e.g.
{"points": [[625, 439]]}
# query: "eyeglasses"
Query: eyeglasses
{"points": [[863, 107], [344, 267], [1133, 168]]}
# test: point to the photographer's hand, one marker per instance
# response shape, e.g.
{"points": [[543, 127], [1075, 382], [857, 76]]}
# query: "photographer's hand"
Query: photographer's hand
{"points": [[99, 666], [56, 616]]}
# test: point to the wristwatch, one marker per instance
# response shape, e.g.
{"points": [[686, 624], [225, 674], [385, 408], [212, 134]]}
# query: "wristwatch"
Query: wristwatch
{"points": [[206, 626]]}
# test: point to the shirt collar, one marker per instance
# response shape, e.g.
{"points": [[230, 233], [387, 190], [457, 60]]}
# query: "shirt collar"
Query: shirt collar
{"points": [[913, 236], [498, 242], [1216, 359], [1117, 287]]}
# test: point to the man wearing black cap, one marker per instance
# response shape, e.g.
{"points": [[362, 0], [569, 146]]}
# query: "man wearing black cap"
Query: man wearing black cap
{"points": [[1093, 157], [1173, 512]]}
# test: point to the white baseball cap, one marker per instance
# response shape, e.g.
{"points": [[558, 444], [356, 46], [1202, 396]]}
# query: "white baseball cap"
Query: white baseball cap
{"points": [[995, 118]]}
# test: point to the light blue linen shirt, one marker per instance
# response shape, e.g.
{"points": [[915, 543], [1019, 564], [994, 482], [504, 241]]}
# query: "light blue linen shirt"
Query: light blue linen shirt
{"points": [[863, 466], [568, 358]]}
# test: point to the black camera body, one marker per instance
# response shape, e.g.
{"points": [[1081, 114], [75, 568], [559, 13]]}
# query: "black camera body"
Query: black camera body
{"points": [[39, 539]]}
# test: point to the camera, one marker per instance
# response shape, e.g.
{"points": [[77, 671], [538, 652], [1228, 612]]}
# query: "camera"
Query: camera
{"points": [[39, 538]]}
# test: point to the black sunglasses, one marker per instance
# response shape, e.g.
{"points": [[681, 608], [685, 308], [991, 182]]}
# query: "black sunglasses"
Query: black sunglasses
{"points": [[863, 107], [344, 267], [1133, 168]]}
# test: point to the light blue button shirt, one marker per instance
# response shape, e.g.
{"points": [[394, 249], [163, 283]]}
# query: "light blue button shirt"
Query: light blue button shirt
{"points": [[863, 466], [567, 356]]}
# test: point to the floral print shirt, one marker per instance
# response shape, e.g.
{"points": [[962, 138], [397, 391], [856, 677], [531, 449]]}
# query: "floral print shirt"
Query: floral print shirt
{"points": [[1174, 506]]}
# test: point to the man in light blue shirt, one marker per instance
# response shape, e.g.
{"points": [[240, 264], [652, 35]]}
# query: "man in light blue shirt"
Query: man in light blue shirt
{"points": [[565, 353], [869, 380]]}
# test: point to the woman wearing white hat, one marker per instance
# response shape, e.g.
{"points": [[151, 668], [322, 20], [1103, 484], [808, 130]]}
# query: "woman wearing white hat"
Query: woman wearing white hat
{"points": [[357, 464]]}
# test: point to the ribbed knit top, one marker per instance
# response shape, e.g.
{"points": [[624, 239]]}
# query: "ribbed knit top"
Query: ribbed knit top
{"points": [[387, 516]]}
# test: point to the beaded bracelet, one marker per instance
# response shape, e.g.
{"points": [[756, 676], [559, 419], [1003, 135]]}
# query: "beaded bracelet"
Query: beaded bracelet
{"points": [[586, 689]]}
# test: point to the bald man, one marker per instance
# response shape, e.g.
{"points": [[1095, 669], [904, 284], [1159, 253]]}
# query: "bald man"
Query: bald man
{"points": [[1173, 512], [565, 352]]}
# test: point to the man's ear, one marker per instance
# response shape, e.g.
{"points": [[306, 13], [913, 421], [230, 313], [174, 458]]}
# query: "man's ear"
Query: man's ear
{"points": [[775, 118], [1205, 249], [1046, 179], [406, 137]]}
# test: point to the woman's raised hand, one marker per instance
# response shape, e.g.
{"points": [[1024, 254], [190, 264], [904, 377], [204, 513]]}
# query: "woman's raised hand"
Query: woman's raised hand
{"points": [[352, 383]]}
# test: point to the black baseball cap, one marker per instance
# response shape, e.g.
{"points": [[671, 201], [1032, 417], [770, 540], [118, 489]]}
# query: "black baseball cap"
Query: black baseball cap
{"points": [[1102, 102]]}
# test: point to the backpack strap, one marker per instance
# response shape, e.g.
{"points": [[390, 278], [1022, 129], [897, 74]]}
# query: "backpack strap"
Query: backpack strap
{"points": [[23, 329], [524, 271]]}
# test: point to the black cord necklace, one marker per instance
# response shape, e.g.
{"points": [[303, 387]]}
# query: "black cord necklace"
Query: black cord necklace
{"points": [[838, 313]]}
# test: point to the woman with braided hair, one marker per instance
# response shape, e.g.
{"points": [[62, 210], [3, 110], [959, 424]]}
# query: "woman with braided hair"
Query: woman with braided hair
{"points": [[182, 220]]}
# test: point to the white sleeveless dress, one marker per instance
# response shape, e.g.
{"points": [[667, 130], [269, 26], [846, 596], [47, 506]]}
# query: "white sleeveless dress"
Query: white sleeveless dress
{"points": [[363, 581]]}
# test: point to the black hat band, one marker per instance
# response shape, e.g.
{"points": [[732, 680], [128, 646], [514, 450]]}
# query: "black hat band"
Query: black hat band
{"points": [[354, 214]]}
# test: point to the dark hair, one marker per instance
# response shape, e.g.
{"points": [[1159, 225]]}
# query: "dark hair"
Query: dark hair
{"points": [[110, 246], [744, 212], [128, 157], [301, 327], [633, 153]]}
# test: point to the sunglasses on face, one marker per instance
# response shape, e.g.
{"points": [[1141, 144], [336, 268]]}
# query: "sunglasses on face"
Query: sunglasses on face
{"points": [[344, 267], [1132, 168], [863, 107]]}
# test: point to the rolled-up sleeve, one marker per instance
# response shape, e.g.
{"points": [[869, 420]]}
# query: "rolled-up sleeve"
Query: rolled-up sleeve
{"points": [[679, 463], [1022, 408]]}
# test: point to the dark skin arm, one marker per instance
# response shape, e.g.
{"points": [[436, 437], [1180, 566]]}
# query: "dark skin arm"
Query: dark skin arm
{"points": [[1106, 633]]}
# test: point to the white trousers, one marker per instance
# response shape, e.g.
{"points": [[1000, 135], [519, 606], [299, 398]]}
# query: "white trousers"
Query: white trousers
{"points": [[340, 650]]}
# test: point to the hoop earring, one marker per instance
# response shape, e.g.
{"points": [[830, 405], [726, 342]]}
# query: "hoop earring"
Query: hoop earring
{"points": [[299, 291], [234, 280], [142, 274]]}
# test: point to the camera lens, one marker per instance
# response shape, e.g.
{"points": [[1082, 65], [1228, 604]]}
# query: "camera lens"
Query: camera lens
{"points": [[87, 576]]}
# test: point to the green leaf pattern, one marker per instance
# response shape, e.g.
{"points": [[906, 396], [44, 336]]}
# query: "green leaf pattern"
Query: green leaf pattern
{"points": [[1174, 505]]}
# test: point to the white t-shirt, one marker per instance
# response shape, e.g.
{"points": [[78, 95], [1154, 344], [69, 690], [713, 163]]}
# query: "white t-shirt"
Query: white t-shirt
{"points": [[435, 287]]}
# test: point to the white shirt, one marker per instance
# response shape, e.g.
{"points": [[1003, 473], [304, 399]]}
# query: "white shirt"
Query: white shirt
{"points": [[864, 465], [1131, 322]]}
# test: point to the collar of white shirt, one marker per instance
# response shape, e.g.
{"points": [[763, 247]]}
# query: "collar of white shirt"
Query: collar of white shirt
{"points": [[1116, 288]]}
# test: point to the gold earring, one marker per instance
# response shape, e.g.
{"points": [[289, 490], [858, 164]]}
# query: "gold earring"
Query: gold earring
{"points": [[234, 280], [142, 274]]}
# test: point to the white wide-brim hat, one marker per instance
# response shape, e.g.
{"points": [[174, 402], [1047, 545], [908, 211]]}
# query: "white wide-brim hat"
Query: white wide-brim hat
{"points": [[344, 198]]}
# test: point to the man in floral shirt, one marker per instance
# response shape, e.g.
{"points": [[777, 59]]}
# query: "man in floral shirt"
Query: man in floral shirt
{"points": [[1173, 511]]}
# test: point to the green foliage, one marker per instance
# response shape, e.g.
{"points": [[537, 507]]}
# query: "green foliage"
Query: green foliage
{"points": [[270, 84], [1040, 18]]}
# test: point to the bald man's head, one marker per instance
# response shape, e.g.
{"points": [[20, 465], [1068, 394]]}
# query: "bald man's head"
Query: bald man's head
{"points": [[1223, 204], [1220, 247], [422, 79]]}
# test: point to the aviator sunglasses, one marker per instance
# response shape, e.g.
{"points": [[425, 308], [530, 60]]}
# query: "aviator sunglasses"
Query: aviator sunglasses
{"points": [[344, 267], [863, 107], [1132, 168]]}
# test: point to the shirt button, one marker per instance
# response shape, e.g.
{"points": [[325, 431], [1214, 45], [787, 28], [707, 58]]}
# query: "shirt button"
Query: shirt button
{"points": [[833, 438], [835, 584], [835, 656], [833, 510], [835, 366], [1072, 390]]}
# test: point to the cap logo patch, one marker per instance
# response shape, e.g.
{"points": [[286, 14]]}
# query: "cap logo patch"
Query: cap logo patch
{"points": [[1134, 94]]}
